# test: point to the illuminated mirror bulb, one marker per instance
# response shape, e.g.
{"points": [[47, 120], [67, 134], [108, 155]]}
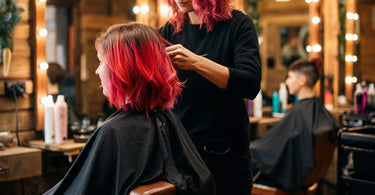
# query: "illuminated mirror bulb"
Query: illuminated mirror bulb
{"points": [[164, 9], [348, 58], [348, 79], [349, 37], [315, 20], [136, 9], [43, 32], [315, 1], [44, 100], [354, 58], [355, 16], [43, 66], [308, 48], [354, 79], [349, 15], [145, 9], [355, 37], [316, 48], [42, 1], [308, 1]]}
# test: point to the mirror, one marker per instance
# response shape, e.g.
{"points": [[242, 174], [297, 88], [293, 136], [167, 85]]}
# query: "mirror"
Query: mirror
{"points": [[285, 32]]}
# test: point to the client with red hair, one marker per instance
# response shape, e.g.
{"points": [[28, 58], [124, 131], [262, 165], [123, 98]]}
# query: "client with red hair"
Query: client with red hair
{"points": [[142, 142]]}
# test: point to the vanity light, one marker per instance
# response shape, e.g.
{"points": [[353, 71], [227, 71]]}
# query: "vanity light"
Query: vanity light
{"points": [[349, 15], [355, 16], [136, 9], [315, 20], [308, 48], [308, 1], [349, 37], [354, 79], [145, 9], [315, 1], [43, 32], [44, 100], [316, 48], [354, 58], [348, 58], [354, 37], [348, 79], [164, 9], [43, 66], [42, 1]]}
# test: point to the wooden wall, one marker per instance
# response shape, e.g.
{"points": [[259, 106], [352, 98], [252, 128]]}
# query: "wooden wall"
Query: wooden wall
{"points": [[20, 70], [366, 11]]}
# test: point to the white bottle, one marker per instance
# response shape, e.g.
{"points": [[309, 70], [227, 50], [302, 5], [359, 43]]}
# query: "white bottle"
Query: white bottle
{"points": [[258, 101], [49, 133], [371, 96], [283, 96], [61, 120]]}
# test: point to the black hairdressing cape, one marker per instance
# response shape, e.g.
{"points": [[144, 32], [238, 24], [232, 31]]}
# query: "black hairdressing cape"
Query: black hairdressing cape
{"points": [[131, 149], [286, 153]]}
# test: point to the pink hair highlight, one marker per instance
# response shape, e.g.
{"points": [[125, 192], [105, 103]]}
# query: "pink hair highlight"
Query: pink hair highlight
{"points": [[141, 73], [209, 11]]}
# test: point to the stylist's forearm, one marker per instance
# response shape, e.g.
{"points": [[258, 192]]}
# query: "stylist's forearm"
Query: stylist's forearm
{"points": [[214, 72]]}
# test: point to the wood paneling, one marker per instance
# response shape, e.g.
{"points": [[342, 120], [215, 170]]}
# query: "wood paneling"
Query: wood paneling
{"points": [[26, 121], [366, 60]]}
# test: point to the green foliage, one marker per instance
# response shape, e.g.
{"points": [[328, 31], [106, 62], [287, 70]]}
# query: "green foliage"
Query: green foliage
{"points": [[9, 17], [251, 8]]}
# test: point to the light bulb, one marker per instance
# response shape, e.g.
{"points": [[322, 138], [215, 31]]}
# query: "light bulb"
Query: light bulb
{"points": [[145, 9], [315, 20], [354, 58], [43, 32], [316, 48], [308, 48], [43, 66], [348, 79], [164, 9], [354, 79], [348, 58], [44, 100], [349, 37], [136, 9]]}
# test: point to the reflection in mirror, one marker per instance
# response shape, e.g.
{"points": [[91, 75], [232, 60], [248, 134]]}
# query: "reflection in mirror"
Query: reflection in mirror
{"points": [[59, 42], [293, 44]]}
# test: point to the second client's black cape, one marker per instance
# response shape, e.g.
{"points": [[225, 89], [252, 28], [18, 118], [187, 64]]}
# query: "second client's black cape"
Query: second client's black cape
{"points": [[286, 153], [131, 149]]}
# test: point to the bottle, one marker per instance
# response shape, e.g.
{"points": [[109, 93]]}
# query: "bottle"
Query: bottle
{"points": [[358, 99], [250, 107], [283, 96], [364, 97], [100, 121], [275, 102], [258, 101], [49, 134], [371, 97], [296, 99], [328, 99], [61, 120]]}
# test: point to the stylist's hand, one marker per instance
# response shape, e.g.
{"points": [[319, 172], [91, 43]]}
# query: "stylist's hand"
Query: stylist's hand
{"points": [[183, 58]]}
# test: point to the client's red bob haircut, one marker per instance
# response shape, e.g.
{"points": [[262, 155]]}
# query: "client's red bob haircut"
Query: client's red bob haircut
{"points": [[140, 72]]}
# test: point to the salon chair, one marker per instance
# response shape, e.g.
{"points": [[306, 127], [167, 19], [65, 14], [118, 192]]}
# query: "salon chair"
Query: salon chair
{"points": [[323, 153], [157, 188]]}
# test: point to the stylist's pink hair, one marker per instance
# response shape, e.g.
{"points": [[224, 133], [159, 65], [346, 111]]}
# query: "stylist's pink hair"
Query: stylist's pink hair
{"points": [[141, 73], [210, 12]]}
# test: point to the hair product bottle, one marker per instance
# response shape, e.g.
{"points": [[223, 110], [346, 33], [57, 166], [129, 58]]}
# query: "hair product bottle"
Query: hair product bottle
{"points": [[258, 101], [371, 97], [61, 120], [283, 96], [364, 97], [250, 107], [49, 133], [275, 103], [358, 99]]}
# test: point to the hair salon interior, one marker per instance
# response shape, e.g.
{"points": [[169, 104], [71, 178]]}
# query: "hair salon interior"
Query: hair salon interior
{"points": [[48, 49]]}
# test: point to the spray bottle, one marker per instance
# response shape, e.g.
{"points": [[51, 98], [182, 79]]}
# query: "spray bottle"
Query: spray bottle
{"points": [[283, 95]]}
